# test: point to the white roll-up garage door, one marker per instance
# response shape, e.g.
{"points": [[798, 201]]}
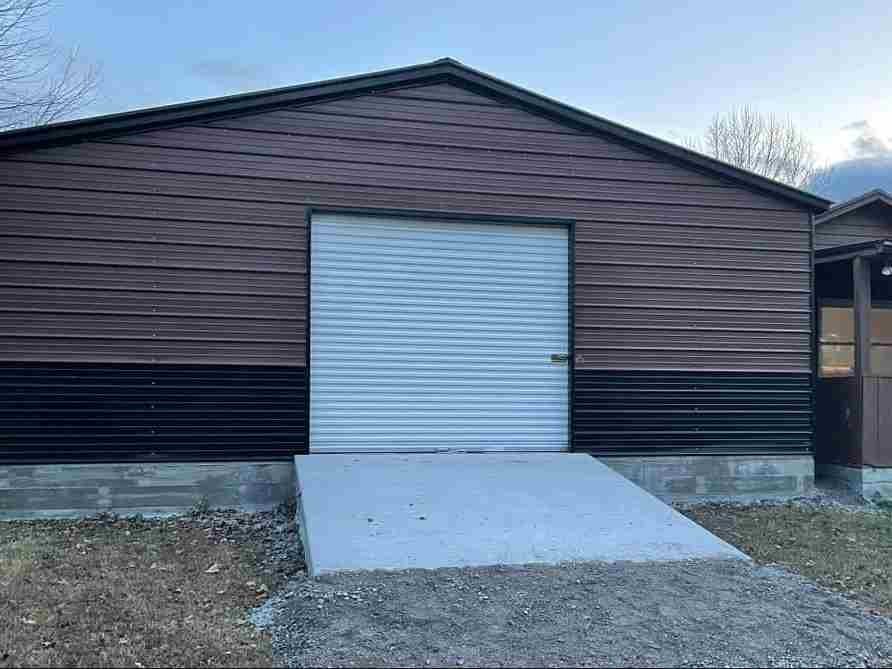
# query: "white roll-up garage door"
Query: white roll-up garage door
{"points": [[437, 335]]}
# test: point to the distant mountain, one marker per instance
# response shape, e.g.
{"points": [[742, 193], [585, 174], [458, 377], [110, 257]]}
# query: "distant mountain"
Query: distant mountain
{"points": [[850, 178]]}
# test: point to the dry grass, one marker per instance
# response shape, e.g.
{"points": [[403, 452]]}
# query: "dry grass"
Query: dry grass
{"points": [[112, 592], [846, 551]]}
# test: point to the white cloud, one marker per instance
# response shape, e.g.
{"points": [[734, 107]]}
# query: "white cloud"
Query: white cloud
{"points": [[868, 142]]}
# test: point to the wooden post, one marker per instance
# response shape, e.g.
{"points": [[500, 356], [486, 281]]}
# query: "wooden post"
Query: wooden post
{"points": [[861, 290]]}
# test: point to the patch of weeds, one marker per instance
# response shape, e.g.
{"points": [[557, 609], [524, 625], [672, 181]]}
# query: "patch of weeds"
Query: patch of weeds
{"points": [[15, 558], [842, 550], [107, 591]]}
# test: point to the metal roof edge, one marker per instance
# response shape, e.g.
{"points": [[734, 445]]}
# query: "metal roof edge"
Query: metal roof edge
{"points": [[863, 200]]}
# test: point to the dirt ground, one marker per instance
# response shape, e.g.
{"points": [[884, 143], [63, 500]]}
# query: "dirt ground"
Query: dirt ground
{"points": [[113, 592]]}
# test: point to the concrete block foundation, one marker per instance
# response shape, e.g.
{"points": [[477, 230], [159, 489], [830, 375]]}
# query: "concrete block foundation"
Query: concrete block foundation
{"points": [[71, 491], [869, 482], [718, 477], [76, 490]]}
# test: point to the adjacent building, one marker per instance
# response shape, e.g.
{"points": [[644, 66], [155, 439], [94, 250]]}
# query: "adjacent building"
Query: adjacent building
{"points": [[853, 274]]}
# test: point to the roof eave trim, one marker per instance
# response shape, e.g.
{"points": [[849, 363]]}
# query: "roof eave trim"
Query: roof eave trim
{"points": [[865, 200], [877, 247]]}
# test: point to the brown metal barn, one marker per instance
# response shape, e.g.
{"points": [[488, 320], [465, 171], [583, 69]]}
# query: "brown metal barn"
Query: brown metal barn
{"points": [[491, 269]]}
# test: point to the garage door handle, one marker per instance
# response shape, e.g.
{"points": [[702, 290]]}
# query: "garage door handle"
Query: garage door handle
{"points": [[560, 357]]}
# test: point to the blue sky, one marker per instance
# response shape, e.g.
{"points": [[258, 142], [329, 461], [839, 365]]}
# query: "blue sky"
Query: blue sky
{"points": [[660, 68]]}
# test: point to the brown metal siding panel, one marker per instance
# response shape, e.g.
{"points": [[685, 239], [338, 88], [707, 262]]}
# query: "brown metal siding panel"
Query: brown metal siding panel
{"points": [[165, 303], [443, 92], [237, 153], [248, 184], [648, 254], [693, 235], [108, 199], [628, 272], [423, 111], [251, 148], [124, 229], [362, 128], [147, 278], [692, 357], [657, 294], [698, 317], [679, 336], [93, 325], [157, 253], [206, 222], [148, 349], [860, 225], [273, 203]]}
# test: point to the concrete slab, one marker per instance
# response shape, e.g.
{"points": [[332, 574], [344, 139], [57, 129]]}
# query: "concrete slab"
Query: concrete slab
{"points": [[377, 511]]}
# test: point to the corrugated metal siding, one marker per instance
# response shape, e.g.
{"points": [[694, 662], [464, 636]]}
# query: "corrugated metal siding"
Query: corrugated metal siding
{"points": [[58, 412], [224, 198], [437, 335], [95, 276], [861, 225], [187, 245], [691, 412]]}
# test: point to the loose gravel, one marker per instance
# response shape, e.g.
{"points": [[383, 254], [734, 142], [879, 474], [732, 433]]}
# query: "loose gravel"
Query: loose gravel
{"points": [[691, 614], [823, 497]]}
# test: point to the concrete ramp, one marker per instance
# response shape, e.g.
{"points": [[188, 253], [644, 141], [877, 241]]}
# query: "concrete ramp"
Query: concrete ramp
{"points": [[377, 511]]}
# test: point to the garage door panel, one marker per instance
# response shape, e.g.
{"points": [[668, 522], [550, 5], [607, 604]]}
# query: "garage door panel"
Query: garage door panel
{"points": [[429, 335], [471, 283]]}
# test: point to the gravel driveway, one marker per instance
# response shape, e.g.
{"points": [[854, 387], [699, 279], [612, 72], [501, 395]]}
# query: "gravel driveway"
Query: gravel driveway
{"points": [[706, 613]]}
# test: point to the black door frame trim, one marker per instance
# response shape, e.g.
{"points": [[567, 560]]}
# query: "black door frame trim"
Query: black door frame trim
{"points": [[311, 210]]}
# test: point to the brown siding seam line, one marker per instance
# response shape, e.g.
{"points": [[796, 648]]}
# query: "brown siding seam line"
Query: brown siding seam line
{"points": [[157, 242], [643, 213], [400, 141], [188, 223], [706, 308], [376, 184], [758, 289], [626, 263]]}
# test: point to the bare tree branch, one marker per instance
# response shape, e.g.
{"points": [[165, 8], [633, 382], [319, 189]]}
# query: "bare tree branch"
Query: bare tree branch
{"points": [[39, 83], [762, 143]]}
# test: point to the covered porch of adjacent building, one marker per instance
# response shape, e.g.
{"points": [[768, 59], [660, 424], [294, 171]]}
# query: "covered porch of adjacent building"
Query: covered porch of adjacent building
{"points": [[853, 395]]}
